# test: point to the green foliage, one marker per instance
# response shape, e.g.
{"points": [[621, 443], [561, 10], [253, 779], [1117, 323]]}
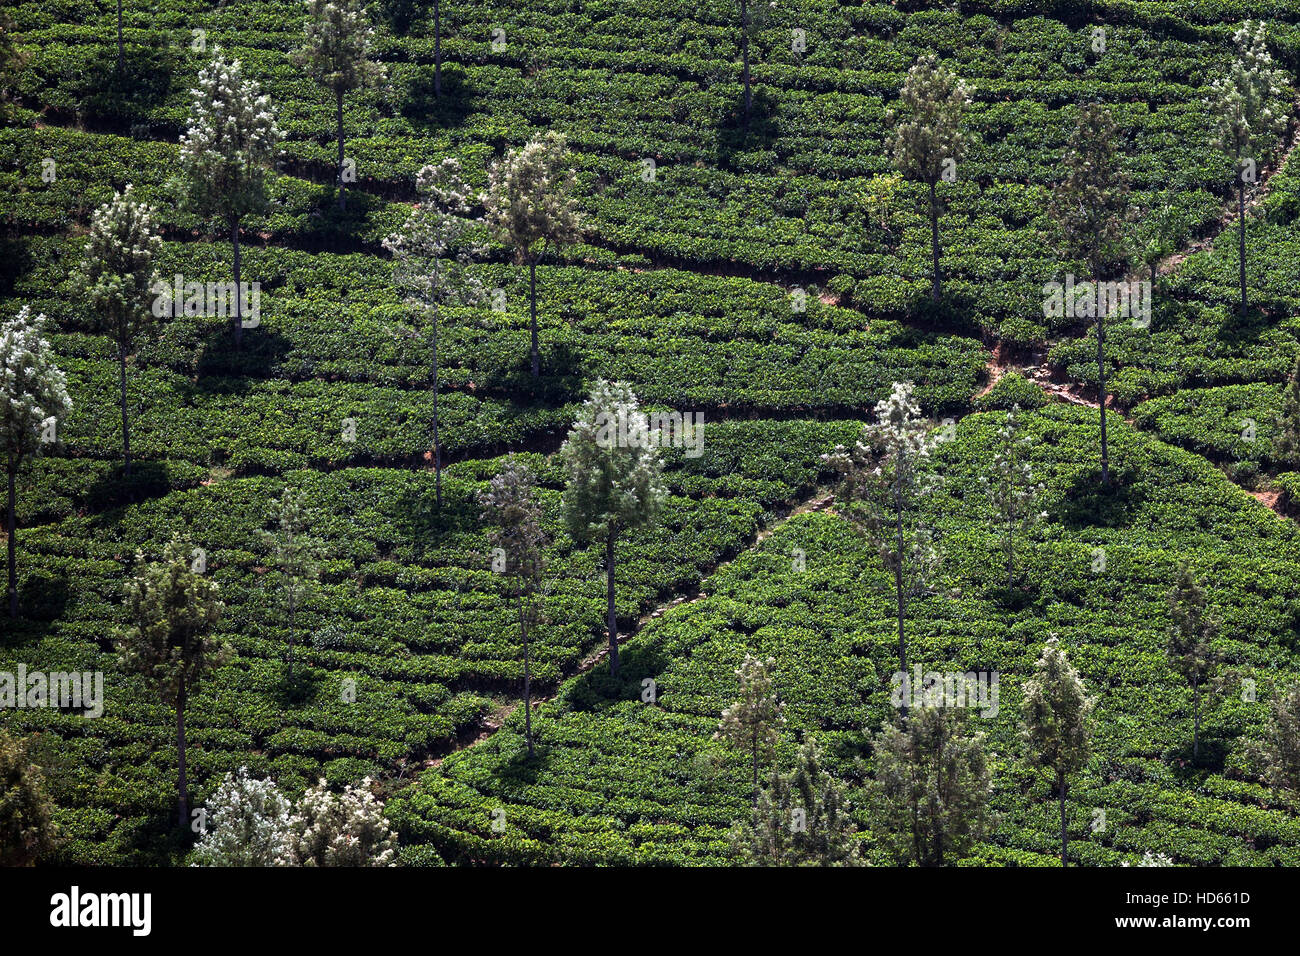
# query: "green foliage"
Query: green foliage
{"points": [[27, 833]]}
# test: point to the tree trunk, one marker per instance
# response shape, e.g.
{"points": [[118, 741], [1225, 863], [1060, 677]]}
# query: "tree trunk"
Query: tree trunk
{"points": [[1101, 395], [754, 751], [1060, 788], [182, 790], [528, 678], [126, 429], [437, 68], [1241, 241], [119, 36], [1011, 555], [239, 319], [609, 595], [744, 56], [12, 539], [1196, 720], [898, 592], [935, 288], [293, 627], [437, 445], [338, 112], [532, 313]]}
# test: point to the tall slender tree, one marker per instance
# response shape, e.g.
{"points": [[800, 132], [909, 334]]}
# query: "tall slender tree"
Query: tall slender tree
{"points": [[172, 610], [929, 139], [1012, 491], [1249, 119], [296, 554], [431, 255], [228, 148], [931, 786], [614, 481], [1191, 636], [1057, 722], [753, 723], [33, 405], [513, 515], [1286, 446], [337, 55], [532, 207], [884, 480], [1090, 205], [1281, 744], [120, 274]]}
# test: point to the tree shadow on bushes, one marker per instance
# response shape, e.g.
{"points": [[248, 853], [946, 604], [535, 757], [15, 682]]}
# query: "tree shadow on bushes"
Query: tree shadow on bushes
{"points": [[144, 82], [734, 138], [1087, 503], [425, 110]]}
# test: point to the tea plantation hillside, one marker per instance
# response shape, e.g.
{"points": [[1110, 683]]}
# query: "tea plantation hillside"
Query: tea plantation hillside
{"points": [[751, 252]]}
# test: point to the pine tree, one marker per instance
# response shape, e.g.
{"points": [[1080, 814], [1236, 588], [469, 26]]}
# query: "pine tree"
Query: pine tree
{"points": [[1250, 115], [1090, 206], [230, 144], [33, 405], [1191, 637], [513, 515], [27, 831], [1057, 723], [931, 787], [531, 207], [337, 55], [929, 137], [120, 276], [431, 254], [1281, 744], [754, 721], [173, 610], [249, 823], [1012, 492], [1286, 447], [347, 829], [12, 58], [801, 819], [753, 17], [884, 481], [614, 482], [296, 555]]}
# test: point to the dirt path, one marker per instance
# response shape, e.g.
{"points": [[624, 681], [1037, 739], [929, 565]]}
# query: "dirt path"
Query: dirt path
{"points": [[819, 500]]}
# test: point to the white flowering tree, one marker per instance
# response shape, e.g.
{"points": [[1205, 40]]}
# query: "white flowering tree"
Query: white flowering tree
{"points": [[345, 829], [1250, 115], [753, 723], [532, 208], [296, 555], [928, 137], [33, 405], [230, 143], [884, 481], [513, 515], [248, 822], [1011, 489], [119, 274], [615, 480], [431, 255], [1057, 722], [172, 610], [337, 55]]}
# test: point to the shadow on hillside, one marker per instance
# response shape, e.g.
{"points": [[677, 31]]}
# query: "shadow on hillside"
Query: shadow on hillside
{"points": [[418, 519], [561, 379], [1089, 504], [224, 369], [144, 82], [148, 479], [42, 600], [735, 138], [426, 111], [15, 263]]}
